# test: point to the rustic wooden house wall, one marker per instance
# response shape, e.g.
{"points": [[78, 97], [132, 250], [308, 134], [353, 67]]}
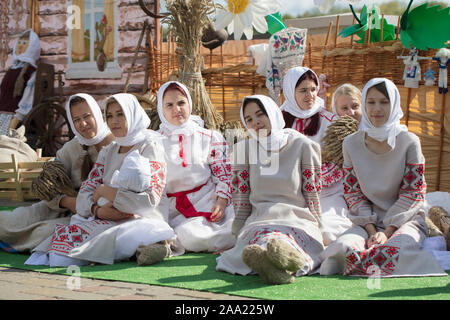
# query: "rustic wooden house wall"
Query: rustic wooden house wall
{"points": [[54, 37]]}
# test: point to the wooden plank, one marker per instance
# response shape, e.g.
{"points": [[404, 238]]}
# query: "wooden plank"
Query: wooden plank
{"points": [[29, 175]]}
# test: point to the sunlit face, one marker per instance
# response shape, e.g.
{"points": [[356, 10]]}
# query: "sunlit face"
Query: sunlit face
{"points": [[83, 120], [176, 108], [22, 46], [305, 94], [348, 105], [378, 107], [256, 120], [116, 120]]}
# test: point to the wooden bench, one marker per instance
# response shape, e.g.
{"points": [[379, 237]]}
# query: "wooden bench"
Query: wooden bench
{"points": [[15, 181]]}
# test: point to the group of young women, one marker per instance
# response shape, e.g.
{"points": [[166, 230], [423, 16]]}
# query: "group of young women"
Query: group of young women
{"points": [[268, 206]]}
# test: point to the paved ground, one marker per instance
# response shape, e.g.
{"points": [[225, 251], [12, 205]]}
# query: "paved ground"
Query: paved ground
{"points": [[16, 284]]}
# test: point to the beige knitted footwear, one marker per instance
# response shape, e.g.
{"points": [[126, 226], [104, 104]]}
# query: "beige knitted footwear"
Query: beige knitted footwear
{"points": [[255, 257], [283, 256], [151, 254]]}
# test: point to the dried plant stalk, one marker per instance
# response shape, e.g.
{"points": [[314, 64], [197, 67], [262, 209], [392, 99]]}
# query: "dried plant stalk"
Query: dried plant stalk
{"points": [[187, 21], [334, 136]]}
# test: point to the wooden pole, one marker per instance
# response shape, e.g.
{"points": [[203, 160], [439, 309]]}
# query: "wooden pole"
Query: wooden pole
{"points": [[330, 26], [351, 37], [382, 27], [408, 102], [130, 71], [337, 30], [441, 142], [398, 28], [310, 55], [153, 75]]}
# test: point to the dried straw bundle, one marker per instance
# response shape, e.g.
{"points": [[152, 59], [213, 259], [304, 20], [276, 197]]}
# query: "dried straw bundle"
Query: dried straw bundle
{"points": [[52, 181], [187, 21], [334, 136]]}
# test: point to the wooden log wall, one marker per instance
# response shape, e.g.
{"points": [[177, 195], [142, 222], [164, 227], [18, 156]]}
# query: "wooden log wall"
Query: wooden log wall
{"points": [[54, 35]]}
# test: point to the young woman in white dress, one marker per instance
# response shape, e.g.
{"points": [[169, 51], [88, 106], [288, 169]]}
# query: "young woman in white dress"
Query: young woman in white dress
{"points": [[304, 111], [385, 189], [198, 175], [22, 229], [114, 231], [276, 185]]}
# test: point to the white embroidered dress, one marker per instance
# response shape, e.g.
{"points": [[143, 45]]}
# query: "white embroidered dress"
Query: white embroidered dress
{"points": [[198, 171], [334, 208]]}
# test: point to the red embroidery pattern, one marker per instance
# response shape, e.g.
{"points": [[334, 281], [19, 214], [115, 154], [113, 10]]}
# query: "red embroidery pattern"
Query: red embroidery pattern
{"points": [[311, 187], [221, 167], [331, 174], [158, 179], [65, 238], [352, 190], [380, 261], [414, 185], [241, 191], [95, 177]]}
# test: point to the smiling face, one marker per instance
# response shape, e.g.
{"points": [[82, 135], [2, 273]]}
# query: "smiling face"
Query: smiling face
{"points": [[306, 93], [176, 108], [378, 107], [83, 119], [116, 120], [348, 105], [256, 119]]}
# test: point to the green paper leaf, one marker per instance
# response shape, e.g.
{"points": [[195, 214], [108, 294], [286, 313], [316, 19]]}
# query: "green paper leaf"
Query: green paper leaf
{"points": [[375, 33], [356, 28], [425, 27], [364, 15], [275, 23]]}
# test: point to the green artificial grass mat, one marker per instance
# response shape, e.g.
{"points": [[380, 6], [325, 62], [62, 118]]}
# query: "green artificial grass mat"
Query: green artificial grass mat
{"points": [[197, 271]]}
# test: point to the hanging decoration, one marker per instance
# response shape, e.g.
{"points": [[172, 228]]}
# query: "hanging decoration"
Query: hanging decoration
{"points": [[412, 73], [429, 77], [443, 58]]}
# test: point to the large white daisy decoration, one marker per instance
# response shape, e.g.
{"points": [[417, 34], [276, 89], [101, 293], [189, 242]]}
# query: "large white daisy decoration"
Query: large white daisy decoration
{"points": [[240, 16]]}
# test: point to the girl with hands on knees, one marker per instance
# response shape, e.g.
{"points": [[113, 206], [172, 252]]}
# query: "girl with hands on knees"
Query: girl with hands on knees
{"points": [[384, 187], [198, 174]]}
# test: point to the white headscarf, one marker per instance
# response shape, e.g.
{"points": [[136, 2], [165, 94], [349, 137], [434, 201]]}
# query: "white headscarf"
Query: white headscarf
{"points": [[290, 105], [33, 52], [278, 136], [102, 128], [137, 119], [392, 127], [188, 127]]}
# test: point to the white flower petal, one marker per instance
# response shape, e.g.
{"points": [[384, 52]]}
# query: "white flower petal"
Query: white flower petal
{"points": [[238, 28], [260, 24], [266, 7], [230, 28], [223, 19], [246, 18], [248, 33]]}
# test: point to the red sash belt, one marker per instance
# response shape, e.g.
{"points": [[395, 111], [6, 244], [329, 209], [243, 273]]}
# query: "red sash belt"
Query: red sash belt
{"points": [[185, 207]]}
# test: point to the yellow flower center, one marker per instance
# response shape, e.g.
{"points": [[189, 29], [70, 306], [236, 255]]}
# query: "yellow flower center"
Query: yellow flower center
{"points": [[237, 6]]}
